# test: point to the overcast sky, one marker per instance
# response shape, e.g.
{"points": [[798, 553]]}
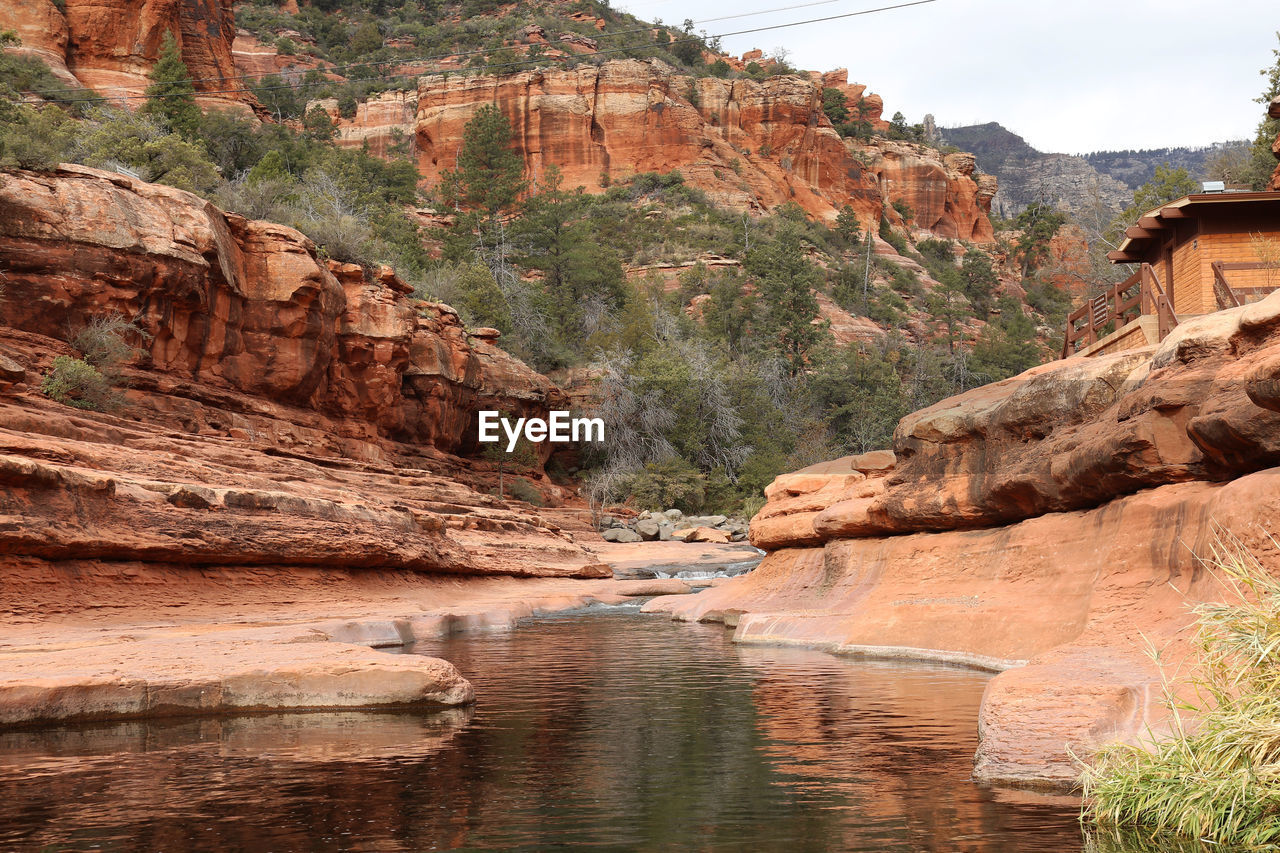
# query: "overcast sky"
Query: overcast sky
{"points": [[1071, 76]]}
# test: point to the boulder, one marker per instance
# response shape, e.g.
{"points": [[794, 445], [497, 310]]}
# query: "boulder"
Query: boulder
{"points": [[620, 534], [10, 370], [648, 529], [707, 534]]}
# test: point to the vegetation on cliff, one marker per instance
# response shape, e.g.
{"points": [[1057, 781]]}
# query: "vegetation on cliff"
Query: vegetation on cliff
{"points": [[1216, 778], [369, 43]]}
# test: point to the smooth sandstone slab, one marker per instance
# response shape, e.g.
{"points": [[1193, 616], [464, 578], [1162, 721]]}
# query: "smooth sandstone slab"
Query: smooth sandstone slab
{"points": [[172, 677]]}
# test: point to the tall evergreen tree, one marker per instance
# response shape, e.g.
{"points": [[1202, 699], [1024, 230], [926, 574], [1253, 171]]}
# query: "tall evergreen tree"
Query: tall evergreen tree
{"points": [[578, 272], [489, 177], [787, 282], [171, 97]]}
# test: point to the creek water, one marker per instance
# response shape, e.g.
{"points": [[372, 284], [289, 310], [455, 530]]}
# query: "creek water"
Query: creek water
{"points": [[607, 730]]}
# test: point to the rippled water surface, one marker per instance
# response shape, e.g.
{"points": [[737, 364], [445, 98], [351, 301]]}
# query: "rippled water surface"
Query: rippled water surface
{"points": [[609, 731]]}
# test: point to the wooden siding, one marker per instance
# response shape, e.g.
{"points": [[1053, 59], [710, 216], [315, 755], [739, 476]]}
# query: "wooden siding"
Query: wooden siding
{"points": [[1234, 241], [1187, 289]]}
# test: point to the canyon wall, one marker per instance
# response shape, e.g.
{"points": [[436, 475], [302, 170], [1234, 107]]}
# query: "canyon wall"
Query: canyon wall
{"points": [[111, 45], [281, 411], [749, 145], [1047, 527]]}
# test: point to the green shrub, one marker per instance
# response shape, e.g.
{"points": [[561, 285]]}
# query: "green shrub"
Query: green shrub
{"points": [[751, 505], [893, 238], [75, 382], [672, 483], [835, 106], [522, 490], [37, 139], [104, 344]]}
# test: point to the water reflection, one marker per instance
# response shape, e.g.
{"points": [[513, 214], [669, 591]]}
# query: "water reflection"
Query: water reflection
{"points": [[619, 732]]}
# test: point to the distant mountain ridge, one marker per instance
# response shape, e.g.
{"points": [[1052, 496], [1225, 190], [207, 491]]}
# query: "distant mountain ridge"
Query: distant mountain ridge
{"points": [[1099, 181], [1135, 168]]}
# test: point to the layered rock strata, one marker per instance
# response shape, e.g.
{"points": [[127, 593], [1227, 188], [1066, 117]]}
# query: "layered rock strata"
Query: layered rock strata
{"points": [[111, 45], [282, 410], [1048, 527], [749, 145]]}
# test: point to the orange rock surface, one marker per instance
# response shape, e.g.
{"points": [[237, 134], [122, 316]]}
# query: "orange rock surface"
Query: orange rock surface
{"points": [[748, 145], [1045, 527], [945, 197], [111, 45], [261, 368], [384, 123], [252, 57]]}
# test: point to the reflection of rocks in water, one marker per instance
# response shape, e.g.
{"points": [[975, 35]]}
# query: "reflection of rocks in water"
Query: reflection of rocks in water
{"points": [[301, 737], [159, 780], [620, 732]]}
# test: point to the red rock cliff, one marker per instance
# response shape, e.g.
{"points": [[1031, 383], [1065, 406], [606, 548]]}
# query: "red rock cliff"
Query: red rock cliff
{"points": [[284, 412], [1045, 527], [748, 145], [111, 45]]}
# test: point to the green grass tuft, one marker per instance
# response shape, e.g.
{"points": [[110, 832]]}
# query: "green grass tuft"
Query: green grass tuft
{"points": [[1216, 779]]}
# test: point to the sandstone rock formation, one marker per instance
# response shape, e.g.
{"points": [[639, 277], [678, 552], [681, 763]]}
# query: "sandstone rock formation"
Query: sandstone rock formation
{"points": [[252, 57], [1045, 527], [748, 145], [111, 45], [946, 197], [862, 105], [284, 412]]}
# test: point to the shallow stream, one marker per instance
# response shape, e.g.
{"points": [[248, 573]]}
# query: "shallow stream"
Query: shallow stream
{"points": [[607, 730]]}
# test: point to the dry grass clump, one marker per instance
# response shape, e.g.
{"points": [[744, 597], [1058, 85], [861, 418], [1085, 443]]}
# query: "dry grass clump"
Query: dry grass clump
{"points": [[1216, 779]]}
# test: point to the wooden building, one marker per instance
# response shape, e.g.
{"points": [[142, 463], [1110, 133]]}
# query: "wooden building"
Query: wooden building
{"points": [[1197, 255]]}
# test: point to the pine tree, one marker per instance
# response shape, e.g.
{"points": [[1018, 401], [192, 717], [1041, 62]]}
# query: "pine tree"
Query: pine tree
{"points": [[171, 95], [786, 283], [489, 177], [577, 270]]}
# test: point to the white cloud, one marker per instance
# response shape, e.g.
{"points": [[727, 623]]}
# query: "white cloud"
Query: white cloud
{"points": [[1067, 76]]}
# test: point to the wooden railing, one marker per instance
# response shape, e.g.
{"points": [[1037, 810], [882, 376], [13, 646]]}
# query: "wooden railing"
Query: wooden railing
{"points": [[1233, 297], [1156, 301], [1141, 293]]}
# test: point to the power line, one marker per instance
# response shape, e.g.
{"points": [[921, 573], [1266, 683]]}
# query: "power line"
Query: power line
{"points": [[513, 64]]}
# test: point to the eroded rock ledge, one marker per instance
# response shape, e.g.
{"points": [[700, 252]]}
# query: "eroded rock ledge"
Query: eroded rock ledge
{"points": [[286, 478], [286, 411], [1045, 527]]}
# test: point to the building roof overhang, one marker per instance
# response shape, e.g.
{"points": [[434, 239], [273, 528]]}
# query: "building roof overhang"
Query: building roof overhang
{"points": [[1150, 228]]}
